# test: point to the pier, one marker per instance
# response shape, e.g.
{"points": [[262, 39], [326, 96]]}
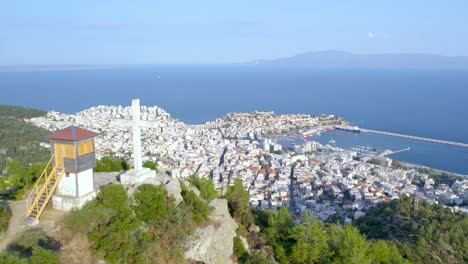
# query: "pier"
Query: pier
{"points": [[387, 153], [457, 144]]}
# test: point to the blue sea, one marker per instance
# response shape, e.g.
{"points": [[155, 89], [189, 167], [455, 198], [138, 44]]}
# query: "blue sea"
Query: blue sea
{"points": [[427, 103]]}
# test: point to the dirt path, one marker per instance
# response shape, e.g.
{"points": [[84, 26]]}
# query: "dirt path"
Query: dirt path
{"points": [[48, 223], [16, 225]]}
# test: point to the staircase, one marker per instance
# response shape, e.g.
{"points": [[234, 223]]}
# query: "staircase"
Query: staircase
{"points": [[40, 195]]}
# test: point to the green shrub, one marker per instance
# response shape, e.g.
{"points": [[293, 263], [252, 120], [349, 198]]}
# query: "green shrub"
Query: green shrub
{"points": [[10, 258], [151, 165], [4, 218], [108, 164], [26, 241], [151, 203], [199, 209], [205, 186], [114, 239], [113, 196], [239, 250], [44, 256], [168, 226], [238, 201], [86, 219], [31, 247]]}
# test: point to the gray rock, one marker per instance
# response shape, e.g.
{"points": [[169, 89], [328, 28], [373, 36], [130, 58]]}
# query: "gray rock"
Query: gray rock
{"points": [[254, 229], [174, 190], [214, 243]]}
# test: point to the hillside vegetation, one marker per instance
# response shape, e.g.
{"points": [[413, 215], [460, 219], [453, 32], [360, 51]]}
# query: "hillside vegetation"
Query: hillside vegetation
{"points": [[424, 233], [20, 111], [148, 228], [19, 149], [399, 231]]}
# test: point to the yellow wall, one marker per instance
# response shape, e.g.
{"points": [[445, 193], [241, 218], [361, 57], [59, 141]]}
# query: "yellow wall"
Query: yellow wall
{"points": [[85, 147], [63, 151]]}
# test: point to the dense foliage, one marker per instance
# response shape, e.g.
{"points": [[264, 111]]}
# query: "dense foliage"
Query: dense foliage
{"points": [[146, 229], [110, 164], [151, 165], [238, 201], [31, 247], [20, 141], [19, 148], [424, 233], [312, 241], [19, 179], [205, 186], [4, 218], [282, 239]]}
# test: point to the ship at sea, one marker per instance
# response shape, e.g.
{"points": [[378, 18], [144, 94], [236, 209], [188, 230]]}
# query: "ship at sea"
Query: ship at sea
{"points": [[354, 129]]}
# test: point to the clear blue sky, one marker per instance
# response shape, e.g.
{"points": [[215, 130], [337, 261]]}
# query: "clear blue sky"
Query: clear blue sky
{"points": [[218, 31]]}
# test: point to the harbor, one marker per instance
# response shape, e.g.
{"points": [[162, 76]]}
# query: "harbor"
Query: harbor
{"points": [[458, 144], [450, 157]]}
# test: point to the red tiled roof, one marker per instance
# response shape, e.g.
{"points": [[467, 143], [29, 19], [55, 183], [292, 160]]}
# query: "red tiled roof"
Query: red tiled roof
{"points": [[72, 133]]}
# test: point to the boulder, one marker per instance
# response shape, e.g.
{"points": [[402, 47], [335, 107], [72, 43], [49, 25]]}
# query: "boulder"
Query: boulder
{"points": [[214, 242], [254, 229], [174, 190]]}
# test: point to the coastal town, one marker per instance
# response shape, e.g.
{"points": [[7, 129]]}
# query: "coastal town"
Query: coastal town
{"points": [[328, 182]]}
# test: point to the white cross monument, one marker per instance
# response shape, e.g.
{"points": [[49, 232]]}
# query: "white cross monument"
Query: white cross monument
{"points": [[138, 173]]}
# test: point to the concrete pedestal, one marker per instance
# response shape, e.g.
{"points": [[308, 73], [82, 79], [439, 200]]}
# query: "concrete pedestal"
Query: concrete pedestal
{"points": [[133, 176], [66, 203]]}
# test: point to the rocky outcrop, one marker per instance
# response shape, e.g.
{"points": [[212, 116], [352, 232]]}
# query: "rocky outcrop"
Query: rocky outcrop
{"points": [[172, 186], [174, 190], [214, 243]]}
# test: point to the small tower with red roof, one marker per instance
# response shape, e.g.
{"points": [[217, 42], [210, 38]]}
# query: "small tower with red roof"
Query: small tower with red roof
{"points": [[73, 152], [68, 178]]}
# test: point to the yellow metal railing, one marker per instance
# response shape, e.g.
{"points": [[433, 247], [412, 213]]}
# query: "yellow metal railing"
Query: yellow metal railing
{"points": [[37, 192]]}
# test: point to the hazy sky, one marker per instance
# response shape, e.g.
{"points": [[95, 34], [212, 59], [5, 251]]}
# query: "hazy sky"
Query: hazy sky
{"points": [[198, 31]]}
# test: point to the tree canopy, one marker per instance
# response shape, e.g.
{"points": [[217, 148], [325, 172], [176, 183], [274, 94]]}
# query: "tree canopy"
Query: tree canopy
{"points": [[205, 186], [423, 232], [110, 164], [146, 229]]}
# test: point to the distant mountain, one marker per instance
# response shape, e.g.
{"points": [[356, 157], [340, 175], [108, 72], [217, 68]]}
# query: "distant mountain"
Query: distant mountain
{"points": [[385, 60]]}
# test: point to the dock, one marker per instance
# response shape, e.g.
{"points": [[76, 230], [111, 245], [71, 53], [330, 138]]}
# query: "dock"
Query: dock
{"points": [[387, 153], [457, 144]]}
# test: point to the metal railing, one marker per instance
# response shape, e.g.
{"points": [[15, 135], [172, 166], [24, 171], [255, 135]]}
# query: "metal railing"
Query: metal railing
{"points": [[38, 191]]}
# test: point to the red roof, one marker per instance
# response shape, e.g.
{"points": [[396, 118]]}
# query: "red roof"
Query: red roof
{"points": [[72, 133]]}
